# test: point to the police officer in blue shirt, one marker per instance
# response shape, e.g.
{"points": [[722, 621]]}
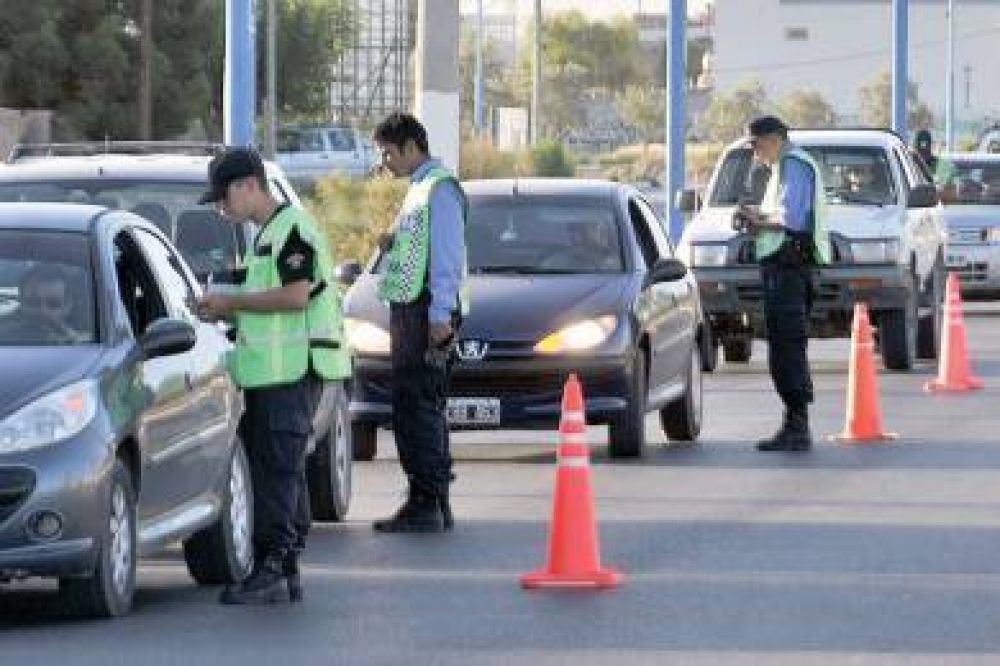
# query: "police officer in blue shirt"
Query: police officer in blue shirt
{"points": [[423, 285], [790, 238]]}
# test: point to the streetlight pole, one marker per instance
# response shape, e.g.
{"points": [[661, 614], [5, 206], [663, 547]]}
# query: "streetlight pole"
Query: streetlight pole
{"points": [[146, 70], [949, 104], [238, 90], [676, 114], [900, 79], [271, 140], [536, 76], [479, 92]]}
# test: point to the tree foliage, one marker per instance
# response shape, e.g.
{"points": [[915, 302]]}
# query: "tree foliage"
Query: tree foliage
{"points": [[727, 116], [644, 107], [806, 108], [876, 103]]}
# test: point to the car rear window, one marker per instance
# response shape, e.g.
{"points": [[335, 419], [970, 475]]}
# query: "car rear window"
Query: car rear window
{"points": [[977, 182], [206, 241], [46, 289]]}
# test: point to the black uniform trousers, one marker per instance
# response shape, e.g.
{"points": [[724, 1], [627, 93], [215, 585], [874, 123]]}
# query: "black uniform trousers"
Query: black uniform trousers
{"points": [[419, 394], [788, 292], [276, 427]]}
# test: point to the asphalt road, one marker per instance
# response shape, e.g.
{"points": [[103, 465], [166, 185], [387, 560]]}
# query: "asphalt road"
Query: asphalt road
{"points": [[879, 554]]}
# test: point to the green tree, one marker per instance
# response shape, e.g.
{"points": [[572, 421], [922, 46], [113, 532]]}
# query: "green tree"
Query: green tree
{"points": [[727, 116], [876, 103], [644, 107], [806, 108], [496, 82]]}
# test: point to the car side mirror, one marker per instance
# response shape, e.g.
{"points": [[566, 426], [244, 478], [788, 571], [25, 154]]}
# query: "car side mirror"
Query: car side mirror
{"points": [[922, 196], [688, 201], [166, 337], [348, 273], [667, 270]]}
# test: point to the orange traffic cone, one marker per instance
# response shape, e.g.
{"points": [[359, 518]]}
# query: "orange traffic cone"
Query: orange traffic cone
{"points": [[864, 414], [953, 367], [574, 559]]}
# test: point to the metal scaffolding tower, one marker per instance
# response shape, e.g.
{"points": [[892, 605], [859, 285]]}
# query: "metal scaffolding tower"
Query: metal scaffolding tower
{"points": [[373, 76]]}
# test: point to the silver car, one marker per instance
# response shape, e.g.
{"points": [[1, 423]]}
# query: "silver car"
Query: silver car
{"points": [[972, 215]]}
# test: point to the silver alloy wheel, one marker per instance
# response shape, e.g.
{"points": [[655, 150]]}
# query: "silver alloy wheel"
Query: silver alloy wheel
{"points": [[121, 541], [239, 512], [342, 457]]}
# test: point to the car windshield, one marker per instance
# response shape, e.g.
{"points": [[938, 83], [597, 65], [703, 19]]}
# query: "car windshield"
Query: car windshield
{"points": [[538, 234], [206, 241], [977, 182], [852, 175], [46, 289]]}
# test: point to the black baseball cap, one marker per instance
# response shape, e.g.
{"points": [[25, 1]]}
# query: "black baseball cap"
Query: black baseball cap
{"points": [[766, 126], [228, 166], [923, 139]]}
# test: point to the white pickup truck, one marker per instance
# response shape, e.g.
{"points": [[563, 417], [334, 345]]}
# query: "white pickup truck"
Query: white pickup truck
{"points": [[307, 154], [887, 237]]}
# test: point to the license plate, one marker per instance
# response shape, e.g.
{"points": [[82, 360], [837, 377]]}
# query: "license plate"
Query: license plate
{"points": [[473, 411], [957, 260]]}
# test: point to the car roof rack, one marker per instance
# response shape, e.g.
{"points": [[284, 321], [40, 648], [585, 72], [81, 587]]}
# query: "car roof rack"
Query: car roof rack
{"points": [[93, 148]]}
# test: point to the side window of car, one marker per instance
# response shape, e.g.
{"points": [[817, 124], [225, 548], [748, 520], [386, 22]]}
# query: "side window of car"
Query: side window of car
{"points": [[177, 290], [663, 247], [341, 140], [289, 141], [137, 287], [905, 168], [312, 142], [642, 234]]}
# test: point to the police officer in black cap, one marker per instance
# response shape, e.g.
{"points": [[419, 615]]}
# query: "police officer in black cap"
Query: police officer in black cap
{"points": [[790, 238]]}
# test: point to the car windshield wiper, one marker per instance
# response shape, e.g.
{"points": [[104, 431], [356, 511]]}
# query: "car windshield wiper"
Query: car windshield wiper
{"points": [[523, 270]]}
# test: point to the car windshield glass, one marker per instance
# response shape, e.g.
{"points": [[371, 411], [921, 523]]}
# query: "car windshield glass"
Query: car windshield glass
{"points": [[205, 240], [977, 182], [852, 175], [46, 289]]}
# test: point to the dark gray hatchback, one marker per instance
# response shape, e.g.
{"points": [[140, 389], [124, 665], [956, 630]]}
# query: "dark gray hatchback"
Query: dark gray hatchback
{"points": [[118, 421]]}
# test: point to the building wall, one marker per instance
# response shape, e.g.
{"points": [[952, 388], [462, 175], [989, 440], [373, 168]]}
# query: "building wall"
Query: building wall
{"points": [[836, 46]]}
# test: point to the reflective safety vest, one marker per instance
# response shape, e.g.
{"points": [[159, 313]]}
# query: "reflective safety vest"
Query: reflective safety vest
{"points": [[405, 276], [769, 241], [280, 347]]}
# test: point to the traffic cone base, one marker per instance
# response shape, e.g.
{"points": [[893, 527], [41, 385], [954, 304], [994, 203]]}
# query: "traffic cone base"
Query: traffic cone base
{"points": [[939, 386], [574, 559], [847, 437]]}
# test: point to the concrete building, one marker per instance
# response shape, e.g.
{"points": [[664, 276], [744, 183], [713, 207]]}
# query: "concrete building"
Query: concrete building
{"points": [[836, 46]]}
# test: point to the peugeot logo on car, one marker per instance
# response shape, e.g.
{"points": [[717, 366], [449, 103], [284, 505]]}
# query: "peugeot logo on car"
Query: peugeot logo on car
{"points": [[472, 350]]}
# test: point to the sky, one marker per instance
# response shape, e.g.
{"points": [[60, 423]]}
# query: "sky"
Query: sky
{"points": [[592, 8]]}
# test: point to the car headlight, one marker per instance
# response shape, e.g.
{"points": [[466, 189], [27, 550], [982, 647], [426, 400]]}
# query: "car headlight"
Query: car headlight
{"points": [[366, 338], [703, 254], [993, 235], [580, 336], [875, 251], [52, 418]]}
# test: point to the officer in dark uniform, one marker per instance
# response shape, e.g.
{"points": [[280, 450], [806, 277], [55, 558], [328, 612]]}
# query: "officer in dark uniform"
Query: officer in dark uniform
{"points": [[790, 238], [289, 340]]}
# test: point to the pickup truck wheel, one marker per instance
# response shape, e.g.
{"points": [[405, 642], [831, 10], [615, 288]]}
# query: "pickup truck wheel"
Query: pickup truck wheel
{"points": [[898, 334], [627, 432], [681, 419], [929, 329], [737, 350]]}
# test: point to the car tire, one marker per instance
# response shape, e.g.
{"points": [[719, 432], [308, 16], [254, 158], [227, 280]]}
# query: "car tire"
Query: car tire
{"points": [[682, 418], [709, 347], [222, 553], [364, 440], [109, 589], [898, 334], [929, 326], [329, 467], [627, 432], [737, 350]]}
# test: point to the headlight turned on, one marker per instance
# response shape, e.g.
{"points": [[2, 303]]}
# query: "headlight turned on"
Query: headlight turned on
{"points": [[580, 336], [366, 338], [703, 254], [52, 418], [875, 251]]}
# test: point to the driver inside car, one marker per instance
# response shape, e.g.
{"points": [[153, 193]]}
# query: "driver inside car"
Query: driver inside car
{"points": [[46, 307]]}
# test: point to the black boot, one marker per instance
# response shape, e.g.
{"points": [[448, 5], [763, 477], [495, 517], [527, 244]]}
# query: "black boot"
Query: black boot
{"points": [[290, 569], [266, 585], [793, 435], [447, 519], [422, 512]]}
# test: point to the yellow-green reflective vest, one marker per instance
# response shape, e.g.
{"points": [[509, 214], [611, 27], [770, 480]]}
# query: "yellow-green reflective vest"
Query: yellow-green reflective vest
{"points": [[280, 347], [769, 241], [406, 271]]}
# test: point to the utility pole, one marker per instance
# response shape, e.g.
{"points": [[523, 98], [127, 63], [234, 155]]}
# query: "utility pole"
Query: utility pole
{"points": [[239, 92], [479, 92], [271, 140], [949, 103], [676, 114], [146, 70], [536, 77], [900, 79], [436, 102]]}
